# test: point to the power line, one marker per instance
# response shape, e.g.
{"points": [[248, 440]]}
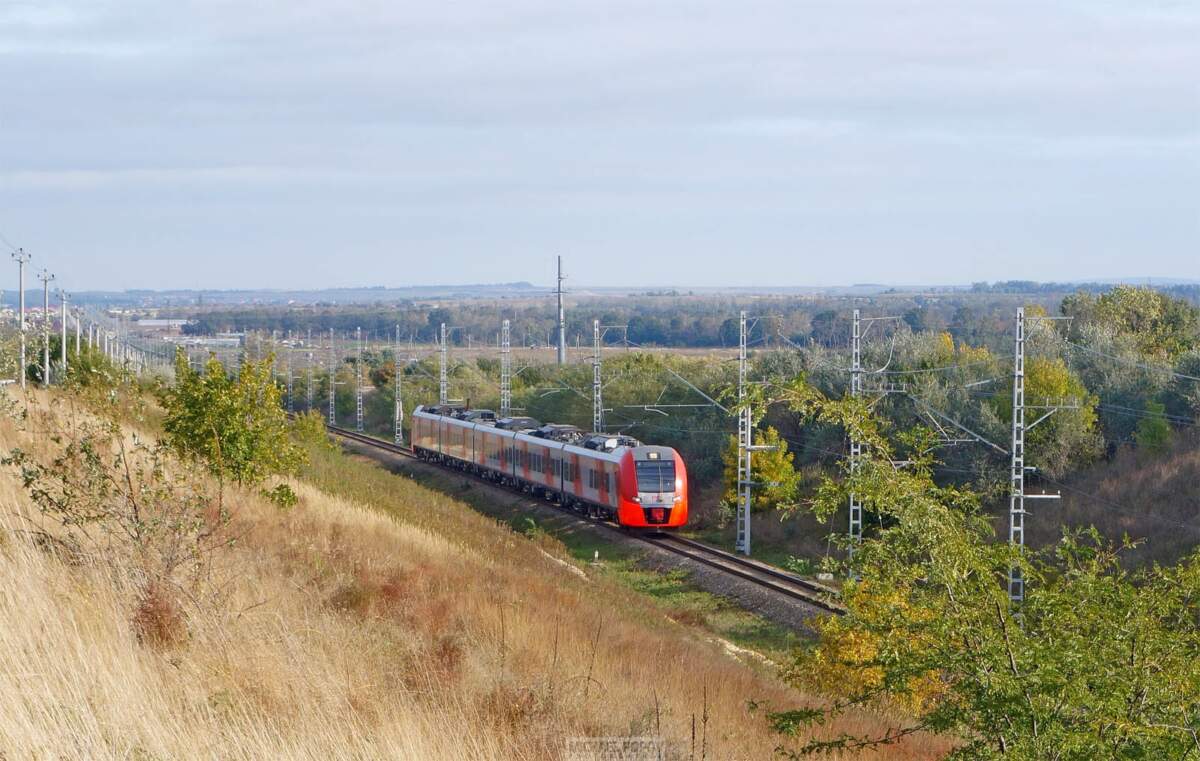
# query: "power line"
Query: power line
{"points": [[935, 369], [1132, 363], [1133, 412], [1118, 507]]}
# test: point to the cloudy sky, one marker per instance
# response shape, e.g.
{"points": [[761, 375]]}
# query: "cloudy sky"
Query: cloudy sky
{"points": [[294, 143]]}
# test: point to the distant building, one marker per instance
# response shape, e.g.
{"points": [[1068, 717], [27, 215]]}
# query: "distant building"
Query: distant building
{"points": [[169, 326]]}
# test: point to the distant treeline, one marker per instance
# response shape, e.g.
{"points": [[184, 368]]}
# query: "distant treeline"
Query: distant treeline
{"points": [[1187, 291], [668, 320]]}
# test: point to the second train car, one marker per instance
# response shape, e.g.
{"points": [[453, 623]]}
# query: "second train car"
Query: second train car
{"points": [[607, 476]]}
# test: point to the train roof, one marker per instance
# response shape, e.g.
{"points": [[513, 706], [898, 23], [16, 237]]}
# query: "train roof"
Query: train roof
{"points": [[517, 424], [567, 436]]}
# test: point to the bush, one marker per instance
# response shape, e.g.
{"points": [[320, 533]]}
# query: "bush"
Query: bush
{"points": [[234, 424]]}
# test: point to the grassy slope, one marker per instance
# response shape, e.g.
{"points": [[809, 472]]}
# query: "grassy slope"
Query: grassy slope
{"points": [[562, 535], [1150, 497], [386, 620]]}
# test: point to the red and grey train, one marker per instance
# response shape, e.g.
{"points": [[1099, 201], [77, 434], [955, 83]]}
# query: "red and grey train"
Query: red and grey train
{"points": [[607, 476]]}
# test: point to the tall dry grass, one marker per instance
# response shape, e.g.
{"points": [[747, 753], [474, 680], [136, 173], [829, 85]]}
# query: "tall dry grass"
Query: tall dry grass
{"points": [[390, 622], [1154, 498]]}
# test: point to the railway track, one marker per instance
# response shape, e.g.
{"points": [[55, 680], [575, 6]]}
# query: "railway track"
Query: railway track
{"points": [[753, 571]]}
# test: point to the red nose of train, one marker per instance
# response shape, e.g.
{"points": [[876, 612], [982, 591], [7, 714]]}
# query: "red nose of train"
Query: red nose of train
{"points": [[654, 491]]}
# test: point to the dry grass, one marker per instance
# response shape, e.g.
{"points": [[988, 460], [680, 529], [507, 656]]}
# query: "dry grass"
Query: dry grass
{"points": [[1155, 498], [390, 622]]}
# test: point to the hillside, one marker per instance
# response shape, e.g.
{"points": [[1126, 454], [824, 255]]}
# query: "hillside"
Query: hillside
{"points": [[375, 618], [1150, 497]]}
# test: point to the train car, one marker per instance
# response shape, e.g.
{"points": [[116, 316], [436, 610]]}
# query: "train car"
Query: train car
{"points": [[612, 477]]}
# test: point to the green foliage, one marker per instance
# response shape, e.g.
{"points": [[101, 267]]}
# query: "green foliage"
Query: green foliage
{"points": [[233, 424], [105, 496], [308, 430], [1095, 663], [1067, 439], [282, 495], [773, 471], [1162, 327], [1153, 431]]}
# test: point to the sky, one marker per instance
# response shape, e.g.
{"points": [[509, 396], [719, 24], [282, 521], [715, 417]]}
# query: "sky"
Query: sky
{"points": [[303, 144]]}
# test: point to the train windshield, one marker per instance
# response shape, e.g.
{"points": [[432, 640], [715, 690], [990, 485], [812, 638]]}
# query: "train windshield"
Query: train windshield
{"points": [[656, 475]]}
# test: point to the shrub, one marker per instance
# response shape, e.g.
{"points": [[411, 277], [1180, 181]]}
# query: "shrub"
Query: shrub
{"points": [[234, 424]]}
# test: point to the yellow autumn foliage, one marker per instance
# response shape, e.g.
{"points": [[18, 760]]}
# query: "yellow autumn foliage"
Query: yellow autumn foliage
{"points": [[843, 660]]}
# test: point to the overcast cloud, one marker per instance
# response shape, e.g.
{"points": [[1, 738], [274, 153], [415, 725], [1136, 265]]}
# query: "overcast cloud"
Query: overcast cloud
{"points": [[303, 144]]}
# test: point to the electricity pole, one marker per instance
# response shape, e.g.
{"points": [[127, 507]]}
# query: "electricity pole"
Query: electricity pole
{"points": [[332, 382], [308, 370], [62, 297], [358, 381], [1017, 494], [505, 370], [856, 389], [287, 368], [399, 406], [45, 277], [597, 389], [21, 258], [744, 444], [1016, 503], [443, 382], [562, 322]]}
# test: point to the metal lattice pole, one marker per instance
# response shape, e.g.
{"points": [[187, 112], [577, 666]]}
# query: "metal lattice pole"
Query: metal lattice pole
{"points": [[358, 381], [505, 370], [22, 258], [308, 370], [443, 382], [562, 321], [597, 388], [744, 444], [287, 364], [332, 381], [1016, 508], [856, 389], [398, 411]]}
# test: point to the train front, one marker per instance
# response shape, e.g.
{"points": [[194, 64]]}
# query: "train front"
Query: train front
{"points": [[653, 488]]}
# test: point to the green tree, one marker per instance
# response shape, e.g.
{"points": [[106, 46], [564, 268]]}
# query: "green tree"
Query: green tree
{"points": [[1162, 326], [776, 478], [1153, 431], [1094, 663], [1067, 439], [234, 424]]}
